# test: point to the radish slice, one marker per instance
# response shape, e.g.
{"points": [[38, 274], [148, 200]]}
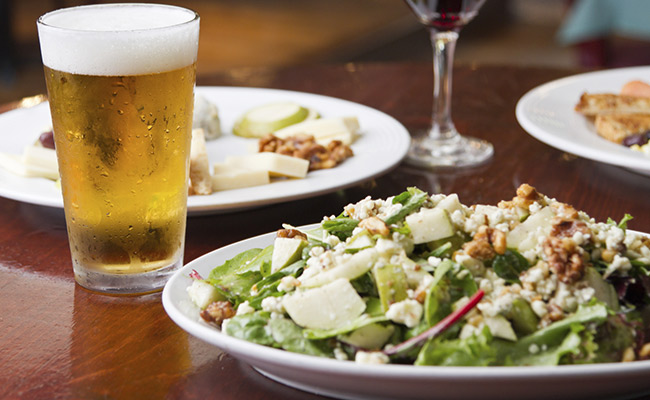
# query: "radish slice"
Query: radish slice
{"points": [[438, 328]]}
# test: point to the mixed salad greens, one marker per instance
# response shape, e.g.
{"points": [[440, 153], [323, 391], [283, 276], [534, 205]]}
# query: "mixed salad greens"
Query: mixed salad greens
{"points": [[426, 280]]}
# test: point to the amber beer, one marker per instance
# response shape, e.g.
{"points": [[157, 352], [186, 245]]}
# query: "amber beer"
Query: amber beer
{"points": [[121, 104]]}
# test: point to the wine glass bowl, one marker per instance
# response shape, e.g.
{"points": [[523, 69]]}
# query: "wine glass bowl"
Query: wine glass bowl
{"points": [[441, 145]]}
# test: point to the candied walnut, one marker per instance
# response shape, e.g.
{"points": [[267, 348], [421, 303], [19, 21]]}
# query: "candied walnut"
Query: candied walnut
{"points": [[563, 254], [305, 147], [375, 226], [291, 233], [566, 228], [217, 311], [564, 258], [526, 195], [486, 244]]}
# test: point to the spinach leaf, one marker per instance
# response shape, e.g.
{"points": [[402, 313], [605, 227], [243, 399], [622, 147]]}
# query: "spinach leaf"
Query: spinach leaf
{"points": [[475, 350], [234, 279], [251, 327], [289, 336], [340, 226], [509, 265], [411, 200], [268, 286]]}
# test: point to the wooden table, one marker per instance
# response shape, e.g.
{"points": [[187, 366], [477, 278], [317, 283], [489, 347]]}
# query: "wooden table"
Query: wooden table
{"points": [[59, 341]]}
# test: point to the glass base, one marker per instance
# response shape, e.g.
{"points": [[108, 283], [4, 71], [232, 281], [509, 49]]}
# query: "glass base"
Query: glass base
{"points": [[125, 284], [459, 151]]}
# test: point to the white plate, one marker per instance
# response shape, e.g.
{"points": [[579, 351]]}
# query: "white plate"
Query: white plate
{"points": [[349, 380], [382, 145], [547, 113]]}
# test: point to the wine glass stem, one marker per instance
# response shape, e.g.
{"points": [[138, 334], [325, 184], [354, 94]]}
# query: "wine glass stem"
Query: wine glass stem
{"points": [[444, 44]]}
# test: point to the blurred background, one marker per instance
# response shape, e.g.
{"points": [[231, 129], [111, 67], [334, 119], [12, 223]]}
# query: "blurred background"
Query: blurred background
{"points": [[272, 33]]}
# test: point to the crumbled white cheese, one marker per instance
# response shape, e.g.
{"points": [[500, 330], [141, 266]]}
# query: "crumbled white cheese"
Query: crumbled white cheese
{"points": [[244, 308], [407, 312], [288, 283], [534, 207], [619, 263], [273, 304], [373, 357], [339, 354]]}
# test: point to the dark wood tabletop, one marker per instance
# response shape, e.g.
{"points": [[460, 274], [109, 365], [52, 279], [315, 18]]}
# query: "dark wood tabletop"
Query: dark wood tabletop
{"points": [[59, 341]]}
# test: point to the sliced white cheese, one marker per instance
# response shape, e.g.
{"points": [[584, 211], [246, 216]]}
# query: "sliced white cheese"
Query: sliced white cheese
{"points": [[327, 307], [324, 130], [226, 177], [275, 164], [14, 164], [40, 157], [430, 224], [351, 268]]}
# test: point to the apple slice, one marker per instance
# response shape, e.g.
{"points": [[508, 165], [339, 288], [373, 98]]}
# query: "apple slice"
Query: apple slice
{"points": [[268, 118], [286, 251]]}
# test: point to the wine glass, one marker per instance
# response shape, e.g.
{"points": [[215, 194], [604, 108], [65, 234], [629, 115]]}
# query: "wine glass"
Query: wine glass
{"points": [[441, 145]]}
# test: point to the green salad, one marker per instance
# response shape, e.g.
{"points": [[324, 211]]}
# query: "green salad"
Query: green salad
{"points": [[426, 280]]}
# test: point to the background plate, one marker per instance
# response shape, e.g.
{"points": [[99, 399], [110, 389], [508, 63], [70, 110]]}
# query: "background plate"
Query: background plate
{"points": [[349, 380], [547, 113], [382, 145]]}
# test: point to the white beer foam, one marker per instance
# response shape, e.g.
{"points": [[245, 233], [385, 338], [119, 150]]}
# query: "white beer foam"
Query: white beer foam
{"points": [[119, 39]]}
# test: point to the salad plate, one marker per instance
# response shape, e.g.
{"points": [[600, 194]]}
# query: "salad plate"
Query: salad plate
{"points": [[382, 145], [349, 380], [547, 113]]}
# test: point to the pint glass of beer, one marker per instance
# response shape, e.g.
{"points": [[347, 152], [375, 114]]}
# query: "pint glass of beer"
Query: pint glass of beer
{"points": [[120, 81]]}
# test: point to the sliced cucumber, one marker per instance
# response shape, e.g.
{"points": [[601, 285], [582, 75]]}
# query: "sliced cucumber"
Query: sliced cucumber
{"points": [[268, 118], [391, 284]]}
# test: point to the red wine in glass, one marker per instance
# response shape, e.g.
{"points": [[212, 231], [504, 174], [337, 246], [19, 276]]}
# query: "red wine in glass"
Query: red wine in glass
{"points": [[445, 15], [441, 145]]}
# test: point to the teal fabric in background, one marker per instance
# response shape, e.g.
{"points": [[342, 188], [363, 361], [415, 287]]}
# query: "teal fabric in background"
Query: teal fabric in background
{"points": [[593, 19]]}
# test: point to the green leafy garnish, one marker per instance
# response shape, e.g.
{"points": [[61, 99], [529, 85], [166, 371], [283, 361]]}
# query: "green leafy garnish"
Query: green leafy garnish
{"points": [[510, 265]]}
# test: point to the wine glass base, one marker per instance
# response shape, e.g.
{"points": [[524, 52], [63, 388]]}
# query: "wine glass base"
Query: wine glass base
{"points": [[459, 151]]}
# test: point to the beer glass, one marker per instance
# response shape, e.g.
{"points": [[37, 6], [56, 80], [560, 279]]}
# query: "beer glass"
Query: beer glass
{"points": [[120, 82]]}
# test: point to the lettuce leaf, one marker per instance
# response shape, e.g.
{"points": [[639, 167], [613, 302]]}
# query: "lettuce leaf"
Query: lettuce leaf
{"points": [[476, 350]]}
